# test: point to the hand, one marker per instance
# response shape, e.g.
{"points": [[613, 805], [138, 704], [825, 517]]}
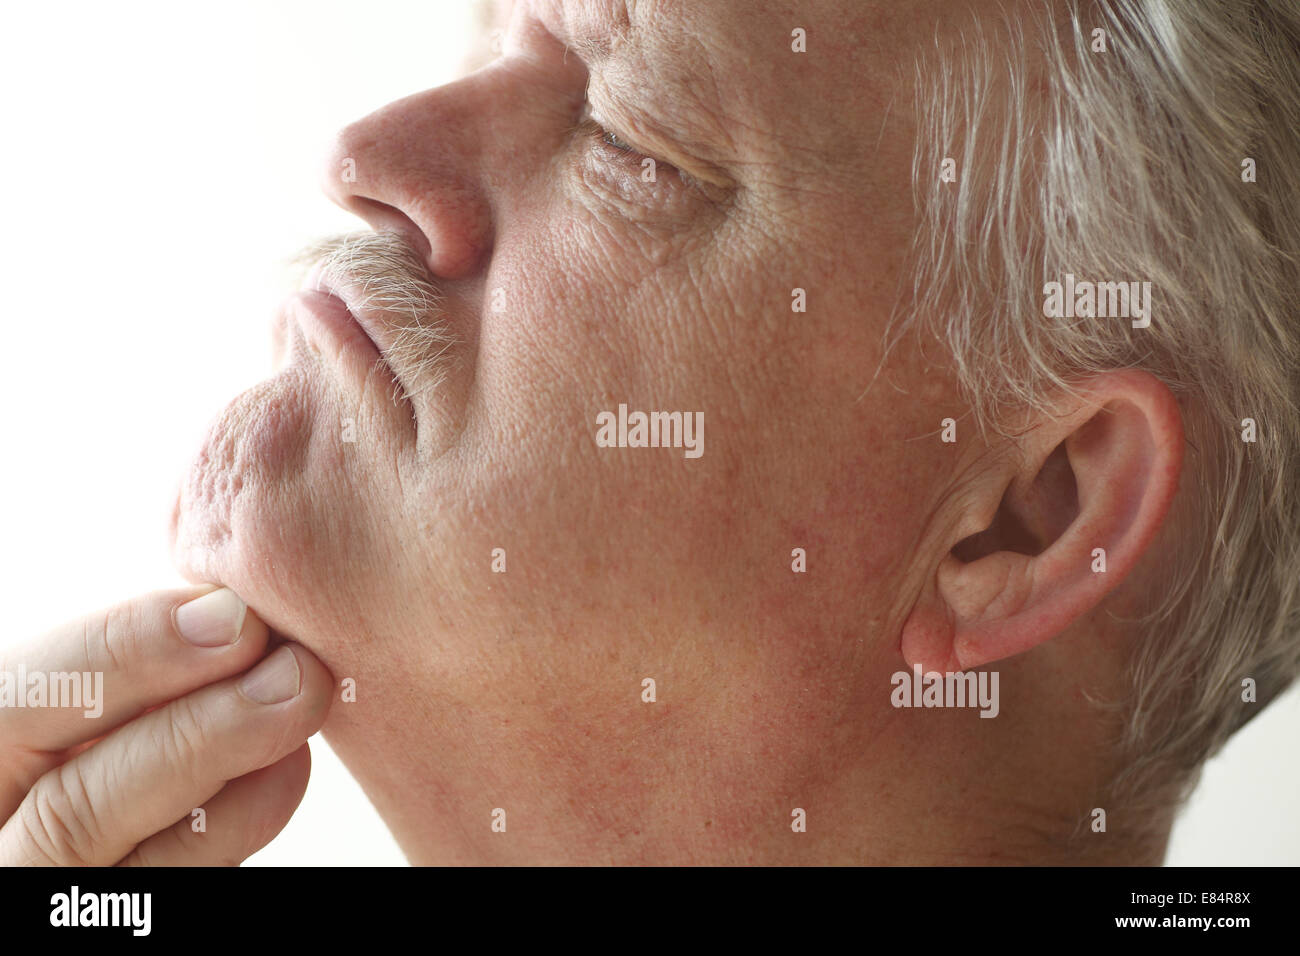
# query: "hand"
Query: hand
{"points": [[193, 713]]}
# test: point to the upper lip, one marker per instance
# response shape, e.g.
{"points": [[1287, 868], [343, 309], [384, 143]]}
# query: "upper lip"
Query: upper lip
{"points": [[344, 292]]}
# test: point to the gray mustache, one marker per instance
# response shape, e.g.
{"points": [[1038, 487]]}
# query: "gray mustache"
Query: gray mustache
{"points": [[385, 277]]}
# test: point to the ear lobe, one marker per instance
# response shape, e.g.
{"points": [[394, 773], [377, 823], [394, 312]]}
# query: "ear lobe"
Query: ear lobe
{"points": [[1124, 444]]}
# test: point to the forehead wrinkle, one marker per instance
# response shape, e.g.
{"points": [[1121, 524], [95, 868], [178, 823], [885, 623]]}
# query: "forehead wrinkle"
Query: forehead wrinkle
{"points": [[663, 89], [596, 29]]}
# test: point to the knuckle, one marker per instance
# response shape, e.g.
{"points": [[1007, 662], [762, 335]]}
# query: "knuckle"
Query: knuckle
{"points": [[60, 818], [112, 638], [183, 738]]}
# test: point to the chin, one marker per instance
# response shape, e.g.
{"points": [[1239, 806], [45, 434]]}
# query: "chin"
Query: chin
{"points": [[256, 446]]}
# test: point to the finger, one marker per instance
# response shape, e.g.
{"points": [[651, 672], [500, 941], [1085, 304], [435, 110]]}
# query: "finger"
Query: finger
{"points": [[108, 667], [244, 817], [97, 807]]}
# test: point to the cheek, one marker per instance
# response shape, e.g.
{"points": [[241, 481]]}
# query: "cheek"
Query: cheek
{"points": [[589, 326]]}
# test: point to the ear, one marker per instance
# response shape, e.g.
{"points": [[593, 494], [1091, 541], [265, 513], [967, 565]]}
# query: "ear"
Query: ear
{"points": [[1099, 473]]}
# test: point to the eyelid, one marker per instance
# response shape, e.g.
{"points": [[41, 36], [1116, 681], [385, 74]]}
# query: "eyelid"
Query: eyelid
{"points": [[711, 183], [591, 123], [690, 165]]}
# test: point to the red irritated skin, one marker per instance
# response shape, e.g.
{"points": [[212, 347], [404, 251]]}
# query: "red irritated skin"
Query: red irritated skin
{"points": [[500, 584]]}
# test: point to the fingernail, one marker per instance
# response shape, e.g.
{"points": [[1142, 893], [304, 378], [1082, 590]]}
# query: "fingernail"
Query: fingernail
{"points": [[274, 680], [212, 620]]}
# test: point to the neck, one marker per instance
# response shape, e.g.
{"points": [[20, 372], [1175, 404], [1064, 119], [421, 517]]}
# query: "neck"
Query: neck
{"points": [[716, 772]]}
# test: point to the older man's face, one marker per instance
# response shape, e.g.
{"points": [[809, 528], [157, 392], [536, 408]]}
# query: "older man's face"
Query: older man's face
{"points": [[368, 527]]}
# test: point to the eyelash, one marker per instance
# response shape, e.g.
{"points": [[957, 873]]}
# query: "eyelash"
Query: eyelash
{"points": [[619, 168], [599, 136], [611, 138], [608, 141]]}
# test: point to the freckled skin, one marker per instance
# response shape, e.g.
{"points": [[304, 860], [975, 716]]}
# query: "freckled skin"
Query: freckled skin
{"points": [[522, 690]]}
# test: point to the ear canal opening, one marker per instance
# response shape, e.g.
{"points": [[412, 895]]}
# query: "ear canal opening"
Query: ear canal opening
{"points": [[1027, 522]]}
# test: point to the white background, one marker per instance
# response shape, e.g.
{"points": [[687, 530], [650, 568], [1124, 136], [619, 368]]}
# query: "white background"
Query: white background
{"points": [[159, 163]]}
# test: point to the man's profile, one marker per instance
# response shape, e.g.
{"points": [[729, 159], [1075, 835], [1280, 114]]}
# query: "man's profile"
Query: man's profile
{"points": [[740, 432]]}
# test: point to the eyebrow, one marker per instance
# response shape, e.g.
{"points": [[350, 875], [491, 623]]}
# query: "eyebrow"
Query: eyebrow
{"points": [[595, 28], [590, 48]]}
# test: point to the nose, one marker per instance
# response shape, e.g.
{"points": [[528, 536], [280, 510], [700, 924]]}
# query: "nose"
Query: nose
{"points": [[414, 167]]}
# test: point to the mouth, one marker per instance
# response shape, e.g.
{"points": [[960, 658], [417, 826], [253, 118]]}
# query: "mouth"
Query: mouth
{"points": [[323, 317], [333, 314], [368, 301]]}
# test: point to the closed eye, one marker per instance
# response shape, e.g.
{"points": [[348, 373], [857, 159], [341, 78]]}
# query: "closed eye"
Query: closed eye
{"points": [[612, 138], [607, 141]]}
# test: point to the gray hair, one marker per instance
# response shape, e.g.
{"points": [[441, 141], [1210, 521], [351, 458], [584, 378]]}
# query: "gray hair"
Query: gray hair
{"points": [[1129, 163], [384, 274]]}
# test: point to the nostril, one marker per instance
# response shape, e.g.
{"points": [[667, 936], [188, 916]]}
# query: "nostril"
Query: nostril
{"points": [[385, 218]]}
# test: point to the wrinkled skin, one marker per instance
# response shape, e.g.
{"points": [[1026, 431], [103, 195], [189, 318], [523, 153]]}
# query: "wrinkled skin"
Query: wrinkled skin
{"points": [[522, 690]]}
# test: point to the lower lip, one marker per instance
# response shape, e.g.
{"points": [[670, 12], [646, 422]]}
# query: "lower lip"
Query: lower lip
{"points": [[330, 315]]}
